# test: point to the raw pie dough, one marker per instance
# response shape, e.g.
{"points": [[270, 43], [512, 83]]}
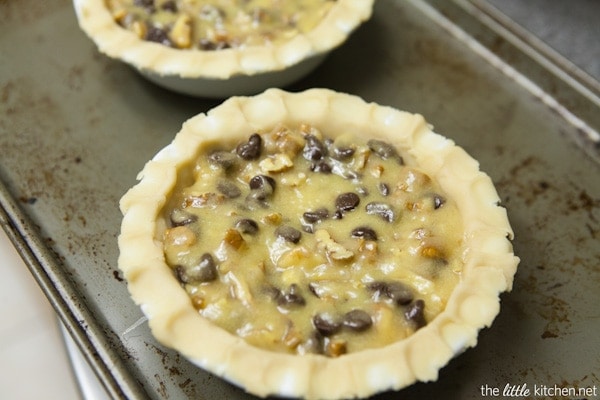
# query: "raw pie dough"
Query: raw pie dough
{"points": [[453, 231], [120, 31]]}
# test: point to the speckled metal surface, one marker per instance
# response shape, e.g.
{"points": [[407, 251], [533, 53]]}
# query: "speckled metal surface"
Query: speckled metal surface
{"points": [[76, 127]]}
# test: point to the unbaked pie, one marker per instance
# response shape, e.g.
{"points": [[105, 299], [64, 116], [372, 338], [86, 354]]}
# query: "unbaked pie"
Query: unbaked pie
{"points": [[219, 48], [288, 240]]}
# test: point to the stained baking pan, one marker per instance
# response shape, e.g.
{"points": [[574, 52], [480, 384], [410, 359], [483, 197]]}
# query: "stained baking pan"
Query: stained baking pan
{"points": [[76, 127]]}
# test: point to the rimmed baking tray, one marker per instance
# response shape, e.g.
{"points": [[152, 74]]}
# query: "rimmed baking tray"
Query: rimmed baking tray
{"points": [[76, 127]]}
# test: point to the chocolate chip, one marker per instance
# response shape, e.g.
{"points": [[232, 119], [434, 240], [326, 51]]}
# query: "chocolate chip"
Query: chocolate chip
{"points": [[210, 45], [262, 187], [398, 292], [204, 271], [326, 324], [261, 182], [169, 6], [357, 320], [229, 189], [384, 150], [180, 217], [313, 148], [224, 159], [438, 201], [364, 232], [321, 166], [415, 313], [158, 35], [251, 149], [383, 210], [247, 225], [316, 215], [288, 233], [291, 297], [342, 153], [384, 189], [314, 344], [347, 201]]}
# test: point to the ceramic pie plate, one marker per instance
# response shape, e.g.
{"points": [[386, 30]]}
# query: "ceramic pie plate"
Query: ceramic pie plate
{"points": [[222, 73], [488, 260]]}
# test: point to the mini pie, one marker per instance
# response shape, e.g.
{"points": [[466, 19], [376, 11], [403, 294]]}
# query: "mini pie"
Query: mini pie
{"points": [[290, 240], [197, 46]]}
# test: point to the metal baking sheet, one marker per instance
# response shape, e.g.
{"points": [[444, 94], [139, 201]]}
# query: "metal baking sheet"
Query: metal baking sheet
{"points": [[76, 127]]}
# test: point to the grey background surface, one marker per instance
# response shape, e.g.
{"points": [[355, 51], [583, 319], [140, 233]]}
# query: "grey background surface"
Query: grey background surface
{"points": [[571, 27]]}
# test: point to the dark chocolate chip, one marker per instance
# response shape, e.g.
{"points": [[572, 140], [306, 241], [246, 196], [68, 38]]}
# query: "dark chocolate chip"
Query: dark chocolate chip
{"points": [[289, 233], [262, 188], [384, 150], [384, 189], [415, 313], [291, 297], [314, 344], [224, 159], [357, 320], [261, 182], [326, 324], [398, 292], [180, 217], [383, 210], [158, 35], [204, 271], [347, 201], [314, 149], [316, 215], [229, 189], [247, 226], [364, 232], [169, 6], [342, 153], [438, 201], [251, 149], [209, 45], [321, 166]]}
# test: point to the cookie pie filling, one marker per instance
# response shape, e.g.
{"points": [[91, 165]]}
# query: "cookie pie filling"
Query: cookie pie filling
{"points": [[301, 243], [217, 24]]}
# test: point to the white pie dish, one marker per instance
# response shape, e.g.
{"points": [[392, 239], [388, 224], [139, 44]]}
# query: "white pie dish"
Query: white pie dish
{"points": [[222, 73]]}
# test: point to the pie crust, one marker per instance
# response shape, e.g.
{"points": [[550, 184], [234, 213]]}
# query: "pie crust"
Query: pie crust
{"points": [[222, 73], [488, 270]]}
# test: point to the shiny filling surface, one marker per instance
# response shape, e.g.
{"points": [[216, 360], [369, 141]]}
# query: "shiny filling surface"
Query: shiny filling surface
{"points": [[217, 24], [303, 243]]}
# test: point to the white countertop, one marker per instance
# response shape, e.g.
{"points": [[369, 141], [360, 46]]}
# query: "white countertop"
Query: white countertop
{"points": [[33, 360]]}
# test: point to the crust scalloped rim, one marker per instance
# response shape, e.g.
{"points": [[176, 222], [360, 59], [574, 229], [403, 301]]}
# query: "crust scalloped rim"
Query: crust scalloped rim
{"points": [[489, 263], [96, 20]]}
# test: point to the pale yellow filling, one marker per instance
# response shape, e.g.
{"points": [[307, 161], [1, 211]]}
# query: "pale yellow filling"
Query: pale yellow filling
{"points": [[218, 24], [260, 274]]}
